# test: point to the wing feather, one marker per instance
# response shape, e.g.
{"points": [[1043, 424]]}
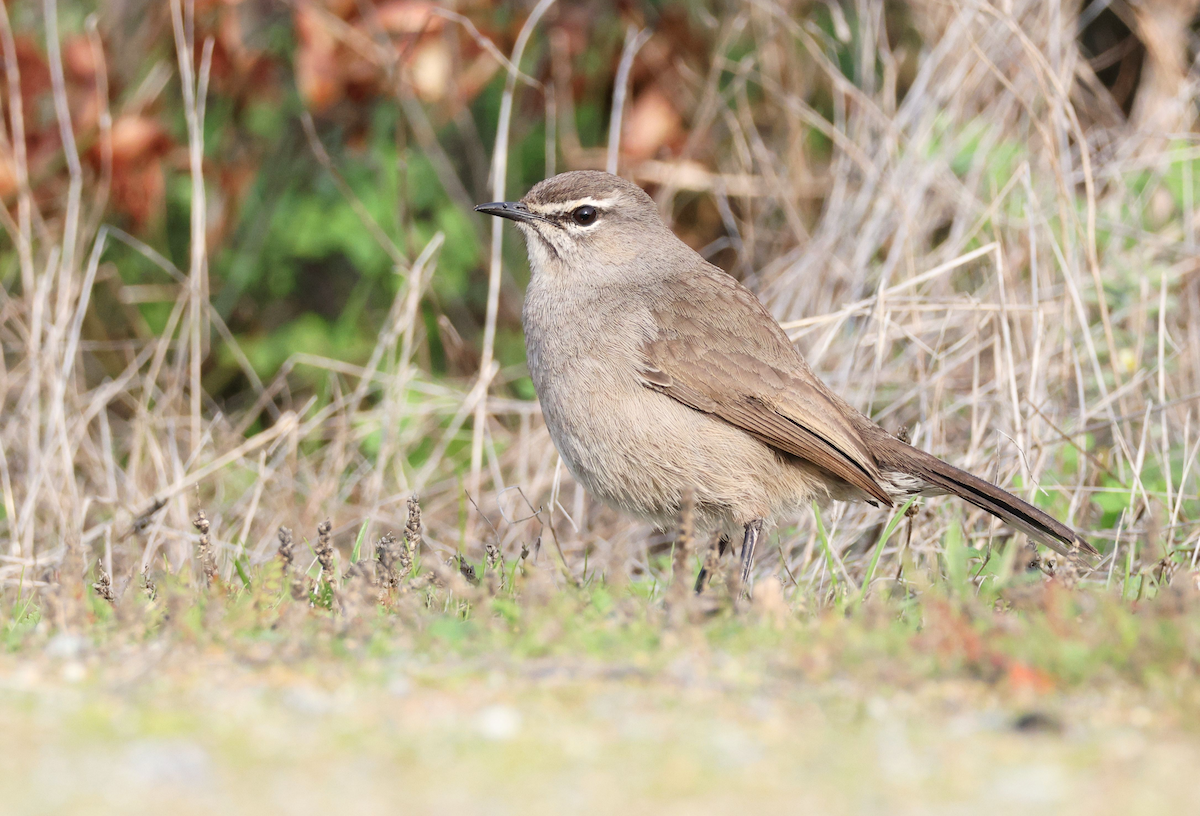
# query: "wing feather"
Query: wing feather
{"points": [[719, 351]]}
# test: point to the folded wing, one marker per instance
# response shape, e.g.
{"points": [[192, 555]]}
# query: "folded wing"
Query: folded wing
{"points": [[719, 351]]}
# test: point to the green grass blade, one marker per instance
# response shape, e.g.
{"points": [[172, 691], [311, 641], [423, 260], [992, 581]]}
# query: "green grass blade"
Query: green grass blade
{"points": [[892, 524], [362, 533], [954, 555], [240, 566], [823, 537]]}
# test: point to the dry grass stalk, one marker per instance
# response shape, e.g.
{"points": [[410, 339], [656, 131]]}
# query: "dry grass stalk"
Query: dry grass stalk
{"points": [[412, 536], [712, 560], [680, 591], [324, 550], [299, 585], [499, 182], [1164, 102], [467, 570], [493, 556], [71, 607], [204, 552], [148, 585], [103, 587], [286, 551], [387, 555]]}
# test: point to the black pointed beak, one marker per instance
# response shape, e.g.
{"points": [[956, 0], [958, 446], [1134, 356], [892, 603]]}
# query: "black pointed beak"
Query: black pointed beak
{"points": [[513, 210]]}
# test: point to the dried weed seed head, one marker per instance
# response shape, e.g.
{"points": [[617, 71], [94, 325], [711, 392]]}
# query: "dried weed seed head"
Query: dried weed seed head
{"points": [[208, 563], [324, 549], [300, 587], [467, 570], [387, 553], [412, 535], [285, 551], [148, 585], [103, 587], [495, 558]]}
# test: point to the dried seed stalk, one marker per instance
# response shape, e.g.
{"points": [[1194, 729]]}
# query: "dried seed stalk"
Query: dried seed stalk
{"points": [[208, 564], [685, 542], [467, 570], [103, 587], [412, 535], [299, 586], [495, 558], [286, 550], [148, 585], [387, 554], [324, 549]]}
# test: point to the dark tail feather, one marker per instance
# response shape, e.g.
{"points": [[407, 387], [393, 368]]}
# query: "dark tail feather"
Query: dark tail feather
{"points": [[892, 454]]}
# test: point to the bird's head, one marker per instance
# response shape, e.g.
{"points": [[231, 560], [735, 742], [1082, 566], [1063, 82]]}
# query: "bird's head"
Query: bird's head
{"points": [[585, 222]]}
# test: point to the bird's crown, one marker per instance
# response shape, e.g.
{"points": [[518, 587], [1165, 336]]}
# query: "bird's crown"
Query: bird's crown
{"points": [[569, 191]]}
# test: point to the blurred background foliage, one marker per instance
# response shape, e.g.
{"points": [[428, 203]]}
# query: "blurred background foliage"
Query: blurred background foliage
{"points": [[342, 135], [403, 98], [294, 266]]}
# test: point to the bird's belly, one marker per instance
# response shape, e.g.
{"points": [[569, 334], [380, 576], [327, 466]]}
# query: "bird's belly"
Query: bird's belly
{"points": [[639, 451]]}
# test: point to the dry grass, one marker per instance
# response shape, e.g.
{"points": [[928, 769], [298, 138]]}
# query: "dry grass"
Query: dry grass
{"points": [[993, 258]]}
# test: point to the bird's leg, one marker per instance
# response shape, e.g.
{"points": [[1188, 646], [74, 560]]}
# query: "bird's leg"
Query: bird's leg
{"points": [[710, 563], [752, 531]]}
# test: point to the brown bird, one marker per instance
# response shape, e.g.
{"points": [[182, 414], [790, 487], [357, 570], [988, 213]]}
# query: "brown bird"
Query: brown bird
{"points": [[658, 373]]}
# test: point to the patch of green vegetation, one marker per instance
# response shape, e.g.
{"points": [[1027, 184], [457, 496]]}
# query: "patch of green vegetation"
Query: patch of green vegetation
{"points": [[524, 661], [973, 616], [21, 619]]}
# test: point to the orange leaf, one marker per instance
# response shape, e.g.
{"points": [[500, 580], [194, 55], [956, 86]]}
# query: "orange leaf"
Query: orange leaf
{"points": [[317, 74], [1022, 676], [136, 137], [78, 58], [8, 173], [651, 123]]}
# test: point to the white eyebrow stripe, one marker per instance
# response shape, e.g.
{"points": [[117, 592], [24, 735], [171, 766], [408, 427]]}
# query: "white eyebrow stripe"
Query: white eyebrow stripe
{"points": [[568, 206]]}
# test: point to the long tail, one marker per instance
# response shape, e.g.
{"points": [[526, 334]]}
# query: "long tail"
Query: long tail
{"points": [[894, 455]]}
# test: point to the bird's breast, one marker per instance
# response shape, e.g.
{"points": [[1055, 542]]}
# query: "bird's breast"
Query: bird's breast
{"points": [[584, 359], [632, 447], [582, 353]]}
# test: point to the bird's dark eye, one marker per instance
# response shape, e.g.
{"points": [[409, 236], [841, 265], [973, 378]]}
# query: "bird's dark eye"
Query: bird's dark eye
{"points": [[584, 215]]}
